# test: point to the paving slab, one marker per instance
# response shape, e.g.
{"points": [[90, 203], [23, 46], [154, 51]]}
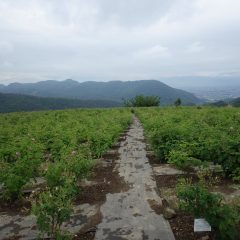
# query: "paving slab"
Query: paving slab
{"points": [[166, 170], [129, 215]]}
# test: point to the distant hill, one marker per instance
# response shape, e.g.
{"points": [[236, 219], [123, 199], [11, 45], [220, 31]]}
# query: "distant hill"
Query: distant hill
{"points": [[16, 102], [113, 90], [235, 102], [220, 103]]}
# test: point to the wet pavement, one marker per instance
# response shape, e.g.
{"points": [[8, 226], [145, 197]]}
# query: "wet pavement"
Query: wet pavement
{"points": [[130, 214]]}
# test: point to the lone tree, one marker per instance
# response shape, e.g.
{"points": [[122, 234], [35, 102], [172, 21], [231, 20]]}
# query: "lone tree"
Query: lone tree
{"points": [[142, 101], [178, 102]]}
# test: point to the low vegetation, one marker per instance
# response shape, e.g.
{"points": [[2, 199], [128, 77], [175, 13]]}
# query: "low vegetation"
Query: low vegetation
{"points": [[204, 141], [178, 102], [190, 136], [61, 147], [196, 199], [142, 101]]}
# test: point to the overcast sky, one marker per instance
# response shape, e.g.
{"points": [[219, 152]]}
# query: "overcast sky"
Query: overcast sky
{"points": [[118, 39]]}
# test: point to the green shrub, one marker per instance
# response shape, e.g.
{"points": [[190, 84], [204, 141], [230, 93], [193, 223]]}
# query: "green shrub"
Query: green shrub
{"points": [[178, 102], [198, 201], [225, 220], [142, 101], [15, 176], [79, 166], [52, 208], [181, 160], [211, 134], [236, 174], [55, 174]]}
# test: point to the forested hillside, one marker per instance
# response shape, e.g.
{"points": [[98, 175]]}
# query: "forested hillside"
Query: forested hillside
{"points": [[18, 102]]}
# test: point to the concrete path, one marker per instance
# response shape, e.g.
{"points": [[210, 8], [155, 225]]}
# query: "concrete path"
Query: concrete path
{"points": [[130, 215]]}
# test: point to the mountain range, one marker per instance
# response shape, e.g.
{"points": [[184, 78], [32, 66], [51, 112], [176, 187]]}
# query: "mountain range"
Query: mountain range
{"points": [[114, 91]]}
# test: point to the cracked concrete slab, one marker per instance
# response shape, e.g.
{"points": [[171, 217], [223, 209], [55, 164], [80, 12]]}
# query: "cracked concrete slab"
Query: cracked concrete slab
{"points": [[166, 169], [129, 215]]}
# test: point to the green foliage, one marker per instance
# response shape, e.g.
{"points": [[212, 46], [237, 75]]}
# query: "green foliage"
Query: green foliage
{"points": [[79, 166], [236, 174], [56, 144], [181, 135], [52, 208], [142, 101], [55, 175], [198, 201], [178, 102], [15, 176], [59, 145], [181, 160]]}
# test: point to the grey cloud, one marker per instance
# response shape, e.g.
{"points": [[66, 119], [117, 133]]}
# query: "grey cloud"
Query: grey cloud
{"points": [[127, 39]]}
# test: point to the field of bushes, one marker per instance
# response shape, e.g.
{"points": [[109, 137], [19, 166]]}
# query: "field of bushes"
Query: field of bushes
{"points": [[205, 143], [59, 146], [190, 136]]}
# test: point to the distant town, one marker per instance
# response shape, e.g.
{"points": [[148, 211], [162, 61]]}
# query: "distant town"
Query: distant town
{"points": [[212, 94]]}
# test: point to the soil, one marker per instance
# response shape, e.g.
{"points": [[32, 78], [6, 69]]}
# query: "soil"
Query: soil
{"points": [[152, 159], [224, 185], [87, 236], [182, 226], [107, 181], [21, 207], [170, 181]]}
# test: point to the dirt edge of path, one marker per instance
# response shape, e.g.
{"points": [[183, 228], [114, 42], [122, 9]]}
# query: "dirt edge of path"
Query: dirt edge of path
{"points": [[105, 180]]}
